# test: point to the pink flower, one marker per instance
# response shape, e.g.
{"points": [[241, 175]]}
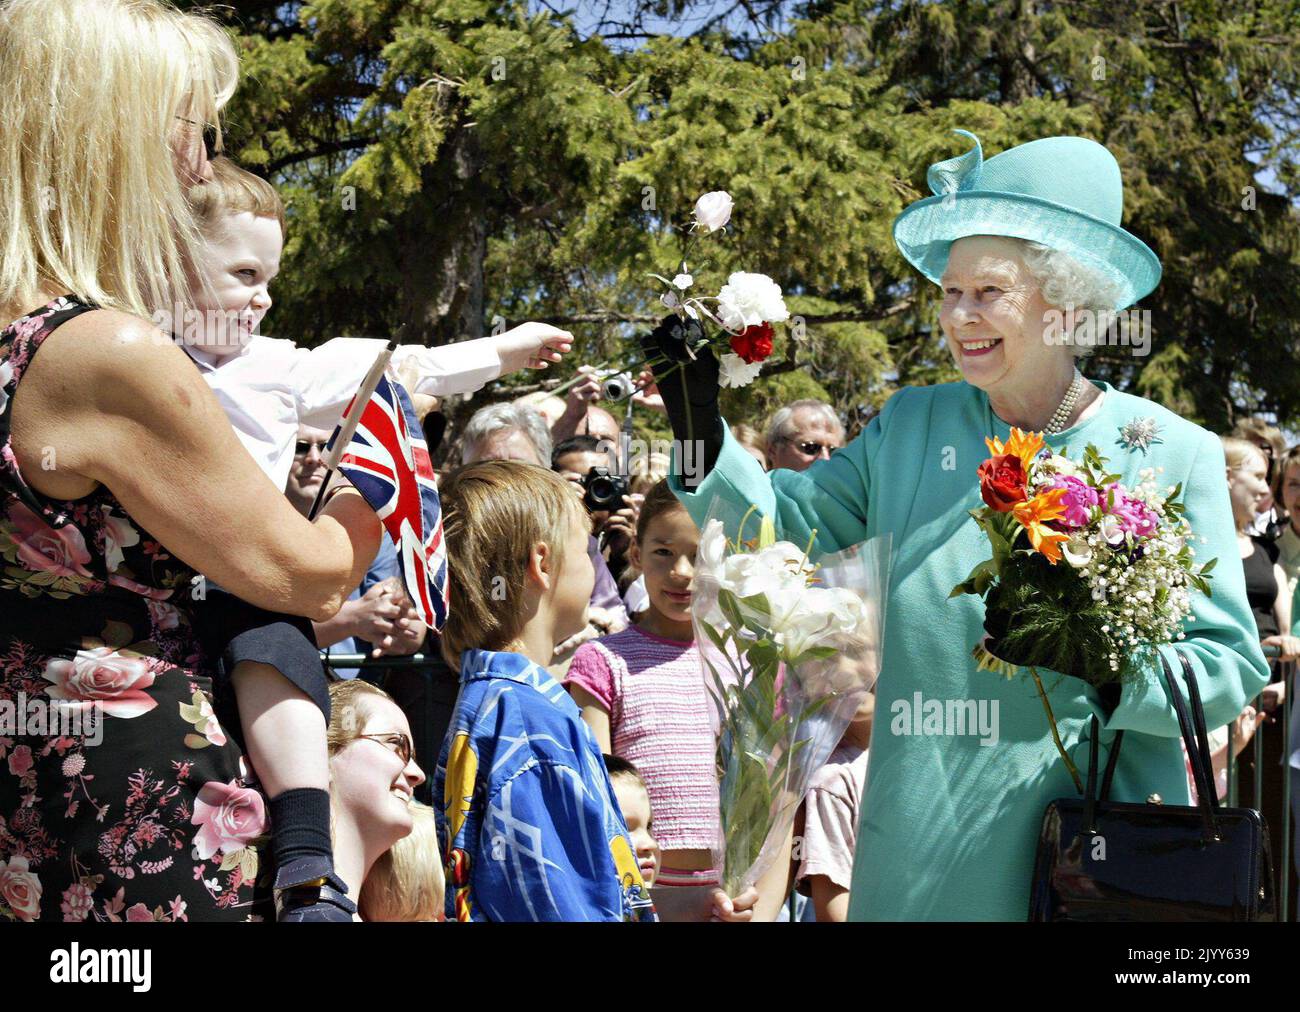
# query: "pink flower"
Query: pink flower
{"points": [[20, 760], [20, 888], [1134, 516], [77, 903], [45, 549], [229, 818], [210, 727], [118, 534], [177, 909], [102, 675], [164, 616], [138, 913], [1079, 499], [152, 593]]}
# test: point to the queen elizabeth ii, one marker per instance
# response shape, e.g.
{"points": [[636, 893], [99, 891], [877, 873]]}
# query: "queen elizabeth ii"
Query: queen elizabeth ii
{"points": [[1027, 247]]}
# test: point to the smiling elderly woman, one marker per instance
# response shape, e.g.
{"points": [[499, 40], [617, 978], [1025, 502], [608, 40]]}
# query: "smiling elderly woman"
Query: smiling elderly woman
{"points": [[1020, 245]]}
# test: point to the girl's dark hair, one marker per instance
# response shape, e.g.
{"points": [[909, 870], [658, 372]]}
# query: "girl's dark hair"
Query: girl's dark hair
{"points": [[659, 500]]}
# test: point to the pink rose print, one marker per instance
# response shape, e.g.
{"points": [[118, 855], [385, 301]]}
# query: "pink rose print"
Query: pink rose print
{"points": [[118, 534], [20, 888], [45, 549], [229, 818], [153, 593], [138, 913], [210, 726], [77, 903], [164, 616], [102, 675], [20, 760]]}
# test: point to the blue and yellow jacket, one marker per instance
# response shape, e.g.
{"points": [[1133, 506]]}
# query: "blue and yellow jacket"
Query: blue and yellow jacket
{"points": [[527, 819]]}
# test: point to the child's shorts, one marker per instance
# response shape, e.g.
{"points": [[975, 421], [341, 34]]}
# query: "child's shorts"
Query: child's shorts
{"points": [[232, 631]]}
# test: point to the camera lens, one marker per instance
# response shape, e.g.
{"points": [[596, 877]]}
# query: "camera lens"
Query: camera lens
{"points": [[617, 387]]}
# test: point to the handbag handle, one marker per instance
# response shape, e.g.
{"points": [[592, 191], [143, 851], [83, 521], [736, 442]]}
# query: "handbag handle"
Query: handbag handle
{"points": [[1194, 736]]}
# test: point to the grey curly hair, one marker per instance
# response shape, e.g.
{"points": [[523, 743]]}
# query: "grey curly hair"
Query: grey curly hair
{"points": [[496, 417], [1064, 281]]}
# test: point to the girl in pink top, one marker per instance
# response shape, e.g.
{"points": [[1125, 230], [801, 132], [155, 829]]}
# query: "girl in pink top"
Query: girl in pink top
{"points": [[642, 692]]}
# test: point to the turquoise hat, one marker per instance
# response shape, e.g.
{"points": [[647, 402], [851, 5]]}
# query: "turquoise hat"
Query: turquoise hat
{"points": [[1063, 192]]}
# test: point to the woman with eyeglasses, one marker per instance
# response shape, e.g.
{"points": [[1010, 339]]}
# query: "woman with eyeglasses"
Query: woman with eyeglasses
{"points": [[373, 777], [121, 480]]}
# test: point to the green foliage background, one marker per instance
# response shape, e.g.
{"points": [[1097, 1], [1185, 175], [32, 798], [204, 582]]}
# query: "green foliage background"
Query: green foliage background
{"points": [[458, 165]]}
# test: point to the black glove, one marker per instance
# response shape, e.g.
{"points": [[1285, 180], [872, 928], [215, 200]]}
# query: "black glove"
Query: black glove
{"points": [[686, 373]]}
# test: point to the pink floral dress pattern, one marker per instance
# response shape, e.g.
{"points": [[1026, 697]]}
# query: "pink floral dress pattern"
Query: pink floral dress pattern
{"points": [[151, 813]]}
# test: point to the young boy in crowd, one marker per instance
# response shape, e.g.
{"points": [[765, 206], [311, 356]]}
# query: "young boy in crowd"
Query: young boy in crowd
{"points": [[528, 820], [269, 388], [634, 802]]}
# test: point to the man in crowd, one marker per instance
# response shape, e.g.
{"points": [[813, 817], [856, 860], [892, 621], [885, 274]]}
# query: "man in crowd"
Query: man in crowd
{"points": [[802, 433]]}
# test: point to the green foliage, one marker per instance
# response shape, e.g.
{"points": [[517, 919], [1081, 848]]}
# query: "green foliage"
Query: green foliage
{"points": [[451, 164]]}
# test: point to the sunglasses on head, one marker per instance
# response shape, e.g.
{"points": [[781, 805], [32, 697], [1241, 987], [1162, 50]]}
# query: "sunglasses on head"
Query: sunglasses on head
{"points": [[396, 741], [209, 136]]}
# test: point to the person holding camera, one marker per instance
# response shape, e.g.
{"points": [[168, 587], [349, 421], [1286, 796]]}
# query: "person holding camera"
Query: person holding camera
{"points": [[588, 463]]}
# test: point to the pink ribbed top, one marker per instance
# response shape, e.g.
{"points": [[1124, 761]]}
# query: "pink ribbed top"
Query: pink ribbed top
{"points": [[659, 720]]}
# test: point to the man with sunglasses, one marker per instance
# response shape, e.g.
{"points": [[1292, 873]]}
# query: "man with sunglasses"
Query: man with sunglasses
{"points": [[803, 433]]}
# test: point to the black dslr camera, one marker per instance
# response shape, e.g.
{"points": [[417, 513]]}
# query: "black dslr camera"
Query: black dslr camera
{"points": [[604, 491]]}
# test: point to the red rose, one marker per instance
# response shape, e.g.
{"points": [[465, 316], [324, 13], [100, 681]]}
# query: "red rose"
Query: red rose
{"points": [[753, 344], [1002, 482]]}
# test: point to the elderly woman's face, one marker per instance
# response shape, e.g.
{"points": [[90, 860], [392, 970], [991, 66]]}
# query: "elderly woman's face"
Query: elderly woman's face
{"points": [[371, 780], [995, 317]]}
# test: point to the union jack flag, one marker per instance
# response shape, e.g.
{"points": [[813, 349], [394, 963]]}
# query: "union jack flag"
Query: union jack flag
{"points": [[388, 461]]}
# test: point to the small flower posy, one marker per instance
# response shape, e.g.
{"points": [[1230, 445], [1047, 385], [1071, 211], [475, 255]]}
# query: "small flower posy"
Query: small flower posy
{"points": [[1130, 550], [745, 308]]}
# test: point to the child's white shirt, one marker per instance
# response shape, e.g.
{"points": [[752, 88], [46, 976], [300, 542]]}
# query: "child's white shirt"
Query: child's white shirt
{"points": [[272, 386]]}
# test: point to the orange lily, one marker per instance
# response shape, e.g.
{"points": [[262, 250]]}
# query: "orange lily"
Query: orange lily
{"points": [[1034, 516], [1024, 445]]}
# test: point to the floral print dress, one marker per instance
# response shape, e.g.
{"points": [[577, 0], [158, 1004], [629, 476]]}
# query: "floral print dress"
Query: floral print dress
{"points": [[147, 813]]}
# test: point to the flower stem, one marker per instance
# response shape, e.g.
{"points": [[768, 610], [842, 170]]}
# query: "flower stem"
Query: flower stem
{"points": [[1056, 735]]}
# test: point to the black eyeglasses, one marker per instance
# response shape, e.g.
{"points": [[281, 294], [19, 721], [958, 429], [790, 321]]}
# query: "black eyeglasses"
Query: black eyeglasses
{"points": [[209, 136], [813, 448], [396, 741], [304, 446]]}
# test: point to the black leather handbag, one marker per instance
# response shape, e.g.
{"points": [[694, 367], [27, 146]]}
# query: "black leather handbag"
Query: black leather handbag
{"points": [[1108, 861]]}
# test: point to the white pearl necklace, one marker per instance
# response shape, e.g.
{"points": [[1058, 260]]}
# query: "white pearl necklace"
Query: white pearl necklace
{"points": [[1063, 410]]}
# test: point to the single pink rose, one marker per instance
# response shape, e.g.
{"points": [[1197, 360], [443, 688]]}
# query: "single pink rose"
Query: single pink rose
{"points": [[20, 760], [229, 818], [211, 727], [164, 616], [77, 903], [104, 676], [118, 534], [139, 913], [46, 549], [20, 888]]}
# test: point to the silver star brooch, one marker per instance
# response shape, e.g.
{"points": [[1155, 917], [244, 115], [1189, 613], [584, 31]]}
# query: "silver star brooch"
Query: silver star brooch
{"points": [[1139, 434]]}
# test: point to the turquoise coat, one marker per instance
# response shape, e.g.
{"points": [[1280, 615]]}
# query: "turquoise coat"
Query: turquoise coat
{"points": [[949, 825]]}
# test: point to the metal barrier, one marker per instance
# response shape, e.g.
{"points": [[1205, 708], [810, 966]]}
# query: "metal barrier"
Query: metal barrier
{"points": [[1282, 865]]}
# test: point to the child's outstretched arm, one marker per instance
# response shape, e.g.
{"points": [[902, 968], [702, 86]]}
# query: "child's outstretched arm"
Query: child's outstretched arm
{"points": [[325, 378]]}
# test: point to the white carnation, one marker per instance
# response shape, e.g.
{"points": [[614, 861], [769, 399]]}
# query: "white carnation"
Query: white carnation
{"points": [[747, 300]]}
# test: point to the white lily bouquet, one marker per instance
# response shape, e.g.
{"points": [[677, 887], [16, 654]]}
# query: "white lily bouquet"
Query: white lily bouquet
{"points": [[790, 649]]}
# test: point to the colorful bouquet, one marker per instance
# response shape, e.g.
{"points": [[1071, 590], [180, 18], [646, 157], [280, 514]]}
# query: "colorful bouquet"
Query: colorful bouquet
{"points": [[790, 650], [1087, 576], [745, 308]]}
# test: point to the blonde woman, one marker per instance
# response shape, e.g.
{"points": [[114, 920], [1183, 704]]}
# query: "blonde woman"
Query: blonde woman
{"points": [[373, 777], [121, 480]]}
